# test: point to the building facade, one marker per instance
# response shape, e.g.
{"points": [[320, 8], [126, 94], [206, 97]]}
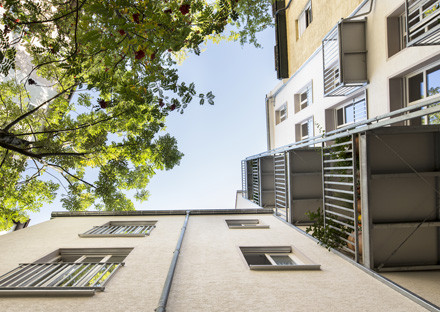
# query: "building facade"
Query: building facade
{"points": [[245, 259], [352, 131]]}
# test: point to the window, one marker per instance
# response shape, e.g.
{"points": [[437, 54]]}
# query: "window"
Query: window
{"points": [[281, 113], [423, 22], [121, 229], [352, 112], [304, 98], [67, 269], [396, 31], [424, 84], [245, 224], [304, 19], [277, 258], [304, 130]]}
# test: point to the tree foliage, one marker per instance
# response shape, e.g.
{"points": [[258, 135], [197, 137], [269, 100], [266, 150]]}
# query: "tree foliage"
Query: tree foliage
{"points": [[109, 69]]}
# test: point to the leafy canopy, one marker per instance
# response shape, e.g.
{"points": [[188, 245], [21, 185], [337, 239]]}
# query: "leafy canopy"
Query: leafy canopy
{"points": [[108, 75]]}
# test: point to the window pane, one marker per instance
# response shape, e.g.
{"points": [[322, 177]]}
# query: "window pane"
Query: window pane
{"points": [[433, 80], [304, 129], [415, 86], [349, 114], [360, 110], [282, 260], [340, 116]]}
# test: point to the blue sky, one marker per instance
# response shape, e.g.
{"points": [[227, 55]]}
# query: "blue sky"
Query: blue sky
{"points": [[214, 138]]}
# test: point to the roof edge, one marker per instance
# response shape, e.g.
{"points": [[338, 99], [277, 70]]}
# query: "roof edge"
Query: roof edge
{"points": [[56, 214]]}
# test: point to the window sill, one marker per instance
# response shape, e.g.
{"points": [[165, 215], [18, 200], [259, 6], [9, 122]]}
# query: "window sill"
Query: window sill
{"points": [[47, 292], [264, 267], [112, 235], [249, 226]]}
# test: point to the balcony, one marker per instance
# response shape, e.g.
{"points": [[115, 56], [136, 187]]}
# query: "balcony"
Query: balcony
{"points": [[59, 276], [345, 58], [423, 22]]}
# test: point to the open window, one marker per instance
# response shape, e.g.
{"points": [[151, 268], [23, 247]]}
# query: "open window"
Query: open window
{"points": [[80, 270], [304, 98], [304, 19], [277, 258], [396, 31], [246, 224], [281, 114], [121, 229]]}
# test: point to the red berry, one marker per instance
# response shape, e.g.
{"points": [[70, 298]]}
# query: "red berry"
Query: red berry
{"points": [[161, 103], [102, 103], [139, 55], [136, 18], [121, 32], [170, 50], [173, 107], [153, 56], [184, 8]]}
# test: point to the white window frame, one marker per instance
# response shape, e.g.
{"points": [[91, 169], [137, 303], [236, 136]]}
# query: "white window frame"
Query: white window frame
{"points": [[51, 275], [245, 224], [351, 102], [424, 71], [300, 103], [403, 32], [299, 260], [281, 114], [121, 229], [304, 19], [310, 128]]}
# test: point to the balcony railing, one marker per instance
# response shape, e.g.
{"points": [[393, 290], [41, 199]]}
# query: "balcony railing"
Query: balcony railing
{"points": [[423, 22], [114, 229], [59, 276], [344, 58]]}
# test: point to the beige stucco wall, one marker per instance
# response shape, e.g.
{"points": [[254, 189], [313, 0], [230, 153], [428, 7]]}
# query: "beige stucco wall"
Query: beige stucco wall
{"points": [[325, 15], [135, 287], [212, 275]]}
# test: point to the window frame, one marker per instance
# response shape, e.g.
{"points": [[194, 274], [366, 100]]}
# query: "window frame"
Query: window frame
{"points": [[351, 102], [304, 19], [299, 260], [308, 101], [245, 224], [281, 114], [306, 122], [134, 227], [424, 71], [51, 275]]}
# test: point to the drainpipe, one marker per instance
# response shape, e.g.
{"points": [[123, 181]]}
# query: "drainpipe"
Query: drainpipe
{"points": [[167, 286]]}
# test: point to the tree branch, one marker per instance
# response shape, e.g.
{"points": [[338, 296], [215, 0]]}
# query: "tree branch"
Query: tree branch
{"points": [[72, 175], [37, 156], [36, 108], [4, 158]]}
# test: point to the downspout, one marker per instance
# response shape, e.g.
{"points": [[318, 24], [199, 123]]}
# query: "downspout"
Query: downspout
{"points": [[167, 286]]}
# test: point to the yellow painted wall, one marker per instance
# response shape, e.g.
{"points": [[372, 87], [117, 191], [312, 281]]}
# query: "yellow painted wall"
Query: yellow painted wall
{"points": [[326, 13]]}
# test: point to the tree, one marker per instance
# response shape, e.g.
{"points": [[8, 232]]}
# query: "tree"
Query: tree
{"points": [[122, 52]]}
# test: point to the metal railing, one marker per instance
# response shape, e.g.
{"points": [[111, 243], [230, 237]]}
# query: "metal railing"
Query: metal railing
{"points": [[119, 230], [244, 179], [423, 22], [280, 180], [59, 275], [340, 192], [419, 109], [256, 181]]}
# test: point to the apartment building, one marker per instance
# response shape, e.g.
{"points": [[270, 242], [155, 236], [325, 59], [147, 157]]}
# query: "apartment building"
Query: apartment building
{"points": [[352, 130], [219, 260]]}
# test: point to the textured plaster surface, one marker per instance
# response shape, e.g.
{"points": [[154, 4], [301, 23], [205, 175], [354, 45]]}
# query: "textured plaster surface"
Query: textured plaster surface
{"points": [[325, 15], [425, 284], [135, 287], [212, 275]]}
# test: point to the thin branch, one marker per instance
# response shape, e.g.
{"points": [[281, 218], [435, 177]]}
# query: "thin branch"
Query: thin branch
{"points": [[72, 175], [72, 129], [37, 156], [36, 108], [54, 19], [4, 158]]}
